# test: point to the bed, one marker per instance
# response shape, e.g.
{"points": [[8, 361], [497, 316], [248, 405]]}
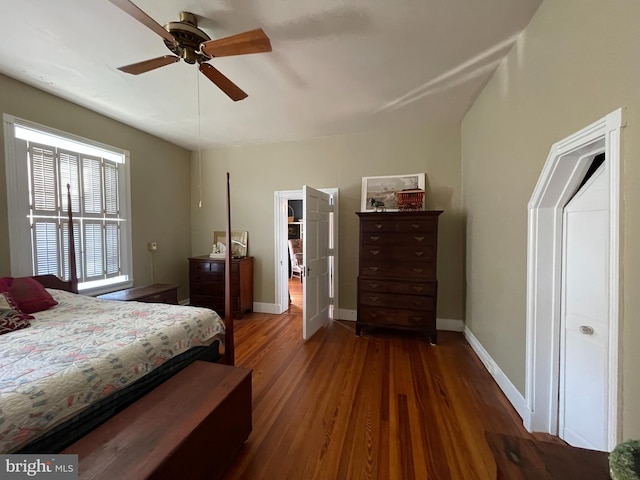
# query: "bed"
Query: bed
{"points": [[82, 360]]}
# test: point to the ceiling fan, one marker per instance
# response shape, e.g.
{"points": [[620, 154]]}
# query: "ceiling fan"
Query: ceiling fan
{"points": [[189, 43]]}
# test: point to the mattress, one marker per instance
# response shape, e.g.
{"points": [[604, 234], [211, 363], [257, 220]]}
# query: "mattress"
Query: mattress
{"points": [[83, 350]]}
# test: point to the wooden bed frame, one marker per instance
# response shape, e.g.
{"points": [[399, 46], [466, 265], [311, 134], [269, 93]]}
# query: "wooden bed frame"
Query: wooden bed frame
{"points": [[216, 413], [51, 281]]}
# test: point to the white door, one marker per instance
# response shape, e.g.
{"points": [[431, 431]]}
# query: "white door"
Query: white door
{"points": [[316, 207], [584, 354]]}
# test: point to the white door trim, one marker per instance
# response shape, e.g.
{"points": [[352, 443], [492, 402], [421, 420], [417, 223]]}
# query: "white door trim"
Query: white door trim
{"points": [[565, 167], [281, 254]]}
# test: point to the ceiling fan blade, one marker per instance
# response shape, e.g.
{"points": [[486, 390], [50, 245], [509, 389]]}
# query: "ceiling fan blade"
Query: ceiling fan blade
{"points": [[147, 65], [227, 86], [143, 18], [253, 41]]}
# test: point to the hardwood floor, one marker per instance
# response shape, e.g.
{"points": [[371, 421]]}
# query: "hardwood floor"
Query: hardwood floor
{"points": [[385, 405]]}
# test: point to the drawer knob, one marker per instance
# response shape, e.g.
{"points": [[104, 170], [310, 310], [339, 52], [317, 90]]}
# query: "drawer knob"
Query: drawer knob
{"points": [[418, 239], [373, 315], [415, 225], [374, 252], [375, 238], [373, 285], [416, 319], [418, 254], [378, 225], [373, 299], [418, 270], [418, 302], [374, 269], [417, 289]]}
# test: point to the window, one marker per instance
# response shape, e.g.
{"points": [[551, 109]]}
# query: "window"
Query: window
{"points": [[41, 163]]}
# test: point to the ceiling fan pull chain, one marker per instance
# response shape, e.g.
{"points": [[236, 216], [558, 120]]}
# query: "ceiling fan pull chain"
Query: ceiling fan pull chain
{"points": [[199, 143]]}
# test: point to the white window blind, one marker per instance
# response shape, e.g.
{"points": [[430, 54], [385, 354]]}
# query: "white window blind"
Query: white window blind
{"points": [[98, 181]]}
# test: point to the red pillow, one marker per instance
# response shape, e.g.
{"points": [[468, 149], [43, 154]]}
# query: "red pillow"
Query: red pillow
{"points": [[5, 284], [11, 318], [30, 295]]}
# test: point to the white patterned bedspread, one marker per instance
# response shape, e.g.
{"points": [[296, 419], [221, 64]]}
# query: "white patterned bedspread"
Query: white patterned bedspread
{"points": [[80, 351]]}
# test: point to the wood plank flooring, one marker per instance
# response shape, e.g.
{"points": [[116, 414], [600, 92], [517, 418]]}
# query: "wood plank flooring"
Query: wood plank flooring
{"points": [[385, 405]]}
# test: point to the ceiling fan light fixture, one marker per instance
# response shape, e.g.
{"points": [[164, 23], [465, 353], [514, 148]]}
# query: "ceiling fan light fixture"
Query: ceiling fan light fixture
{"points": [[190, 56]]}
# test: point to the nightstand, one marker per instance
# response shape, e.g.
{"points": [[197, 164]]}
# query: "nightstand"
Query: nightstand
{"points": [[156, 293]]}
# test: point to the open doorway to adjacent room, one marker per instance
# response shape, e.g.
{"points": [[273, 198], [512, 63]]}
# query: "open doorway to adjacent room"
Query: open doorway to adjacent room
{"points": [[295, 248], [306, 265]]}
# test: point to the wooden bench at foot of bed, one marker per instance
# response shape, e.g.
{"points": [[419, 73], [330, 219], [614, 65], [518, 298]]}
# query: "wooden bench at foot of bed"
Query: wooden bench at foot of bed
{"points": [[192, 426]]}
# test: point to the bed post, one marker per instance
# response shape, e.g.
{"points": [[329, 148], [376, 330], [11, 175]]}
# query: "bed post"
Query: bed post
{"points": [[73, 273], [229, 351]]}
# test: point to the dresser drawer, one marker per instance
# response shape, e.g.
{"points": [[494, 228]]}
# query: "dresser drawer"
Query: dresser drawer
{"points": [[214, 302], [406, 239], [392, 286], [210, 277], [396, 317], [408, 271], [397, 253], [213, 288], [423, 225], [392, 300], [214, 267]]}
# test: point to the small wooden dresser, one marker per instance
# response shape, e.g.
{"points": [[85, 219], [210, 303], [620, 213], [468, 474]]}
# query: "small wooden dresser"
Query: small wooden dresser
{"points": [[206, 284], [397, 285]]}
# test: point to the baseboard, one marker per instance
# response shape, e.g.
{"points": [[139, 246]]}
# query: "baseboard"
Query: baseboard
{"points": [[344, 314], [262, 307], [184, 302], [450, 324], [510, 391]]}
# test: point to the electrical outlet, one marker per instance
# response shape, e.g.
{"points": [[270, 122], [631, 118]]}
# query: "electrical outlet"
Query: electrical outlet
{"points": [[152, 246]]}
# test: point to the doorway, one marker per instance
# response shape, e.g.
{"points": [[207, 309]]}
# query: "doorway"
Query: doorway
{"points": [[561, 177], [295, 241], [281, 229]]}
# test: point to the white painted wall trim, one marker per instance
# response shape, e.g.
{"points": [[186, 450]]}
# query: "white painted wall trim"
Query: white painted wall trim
{"points": [[447, 324], [565, 166], [261, 307], [511, 392], [450, 324], [344, 314]]}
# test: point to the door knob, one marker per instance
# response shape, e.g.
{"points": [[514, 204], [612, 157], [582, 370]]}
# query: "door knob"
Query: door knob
{"points": [[586, 330]]}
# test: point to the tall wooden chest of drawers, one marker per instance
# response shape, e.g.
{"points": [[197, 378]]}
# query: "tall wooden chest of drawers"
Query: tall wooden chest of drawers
{"points": [[397, 285], [206, 284]]}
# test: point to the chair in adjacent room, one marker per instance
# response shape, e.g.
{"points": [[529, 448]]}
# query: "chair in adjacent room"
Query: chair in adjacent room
{"points": [[295, 255]]}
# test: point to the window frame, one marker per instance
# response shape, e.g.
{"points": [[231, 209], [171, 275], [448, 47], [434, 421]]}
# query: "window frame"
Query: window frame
{"points": [[18, 205]]}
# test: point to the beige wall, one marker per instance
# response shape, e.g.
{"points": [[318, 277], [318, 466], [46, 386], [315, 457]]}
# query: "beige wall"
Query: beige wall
{"points": [[341, 161], [577, 62], [160, 182]]}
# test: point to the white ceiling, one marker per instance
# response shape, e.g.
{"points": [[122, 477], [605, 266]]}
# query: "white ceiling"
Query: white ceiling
{"points": [[337, 66]]}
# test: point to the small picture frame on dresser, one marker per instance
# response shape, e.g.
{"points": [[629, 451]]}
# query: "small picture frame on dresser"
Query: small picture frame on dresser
{"points": [[383, 189], [239, 242]]}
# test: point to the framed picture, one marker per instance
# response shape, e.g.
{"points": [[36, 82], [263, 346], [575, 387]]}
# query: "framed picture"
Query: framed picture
{"points": [[293, 230], [239, 242], [383, 189]]}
